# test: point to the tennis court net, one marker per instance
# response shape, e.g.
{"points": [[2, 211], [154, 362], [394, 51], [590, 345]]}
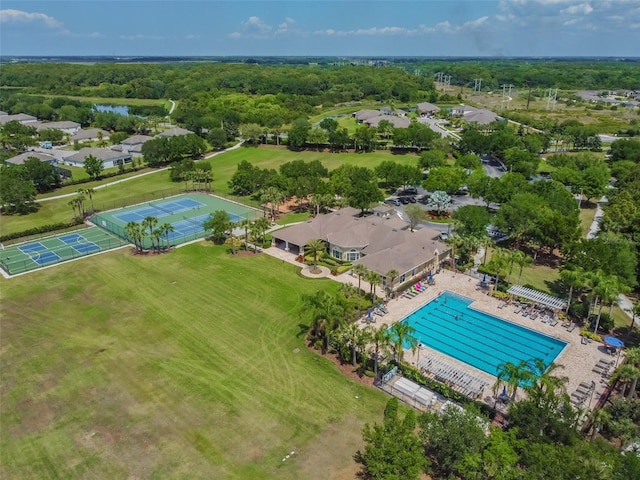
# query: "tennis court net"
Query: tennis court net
{"points": [[165, 210], [193, 221]]}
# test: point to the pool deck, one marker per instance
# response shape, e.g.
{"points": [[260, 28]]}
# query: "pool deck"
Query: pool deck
{"points": [[577, 359]]}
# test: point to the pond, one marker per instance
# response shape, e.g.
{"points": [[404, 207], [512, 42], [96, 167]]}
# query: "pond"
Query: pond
{"points": [[119, 109]]}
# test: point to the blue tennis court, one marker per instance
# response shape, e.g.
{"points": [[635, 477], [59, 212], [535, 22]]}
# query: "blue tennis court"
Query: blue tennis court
{"points": [[45, 258], [88, 247], [188, 227], [32, 247], [449, 325], [159, 210]]}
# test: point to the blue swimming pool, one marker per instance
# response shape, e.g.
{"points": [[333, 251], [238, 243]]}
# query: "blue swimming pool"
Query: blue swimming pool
{"points": [[484, 341]]}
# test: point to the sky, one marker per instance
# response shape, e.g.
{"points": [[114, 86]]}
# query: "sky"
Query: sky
{"points": [[429, 28]]}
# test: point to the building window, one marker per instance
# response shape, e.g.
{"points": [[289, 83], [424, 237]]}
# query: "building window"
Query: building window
{"points": [[335, 253], [353, 255], [402, 278]]}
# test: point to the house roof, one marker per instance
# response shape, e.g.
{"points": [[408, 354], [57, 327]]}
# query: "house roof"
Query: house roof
{"points": [[20, 159], [403, 251], [174, 132], [136, 140], [18, 117], [365, 114], [398, 122], [426, 107], [55, 125], [3, 113], [481, 116], [385, 241], [89, 133], [103, 154]]}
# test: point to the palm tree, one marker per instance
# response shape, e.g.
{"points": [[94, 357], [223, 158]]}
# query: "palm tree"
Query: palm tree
{"points": [[89, 192], [314, 248], [635, 311], [600, 419], [374, 279], [360, 270], [511, 375], [609, 291], [327, 315], [486, 242], [499, 260], [522, 262], [390, 277], [352, 335], [627, 374], [633, 358], [80, 202], [156, 236], [273, 196], [402, 333], [381, 341], [135, 234], [73, 203], [167, 229], [246, 225], [574, 278], [149, 223]]}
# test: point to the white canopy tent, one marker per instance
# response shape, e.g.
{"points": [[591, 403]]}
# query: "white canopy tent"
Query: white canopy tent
{"points": [[538, 297]]}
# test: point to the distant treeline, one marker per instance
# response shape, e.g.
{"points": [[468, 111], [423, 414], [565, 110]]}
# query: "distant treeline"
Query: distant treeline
{"points": [[335, 81]]}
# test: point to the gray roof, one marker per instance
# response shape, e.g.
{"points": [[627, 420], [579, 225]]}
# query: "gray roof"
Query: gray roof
{"points": [[174, 132], [365, 114], [136, 140], [103, 154], [385, 241], [18, 117], [89, 134], [398, 122], [20, 159], [56, 125], [481, 116], [426, 107], [3, 113]]}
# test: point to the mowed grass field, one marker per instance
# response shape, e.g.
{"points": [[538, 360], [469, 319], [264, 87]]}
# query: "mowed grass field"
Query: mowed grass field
{"points": [[189, 365], [223, 168]]}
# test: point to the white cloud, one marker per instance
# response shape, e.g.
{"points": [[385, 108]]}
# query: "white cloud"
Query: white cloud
{"points": [[21, 17], [192, 37], [37, 20], [583, 8]]}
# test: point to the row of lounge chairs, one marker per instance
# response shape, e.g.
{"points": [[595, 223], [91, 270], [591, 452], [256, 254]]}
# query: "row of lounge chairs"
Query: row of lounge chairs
{"points": [[464, 382], [583, 392], [603, 368], [379, 311], [414, 290]]}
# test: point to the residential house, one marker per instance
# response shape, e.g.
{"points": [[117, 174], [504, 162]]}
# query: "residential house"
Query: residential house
{"points": [[110, 158], [427, 109], [22, 118], [174, 132], [398, 122], [133, 144], [65, 126], [362, 115], [382, 242], [481, 116], [43, 157], [89, 135]]}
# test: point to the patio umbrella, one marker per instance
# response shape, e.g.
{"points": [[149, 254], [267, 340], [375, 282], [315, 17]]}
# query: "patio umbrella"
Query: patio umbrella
{"points": [[613, 342]]}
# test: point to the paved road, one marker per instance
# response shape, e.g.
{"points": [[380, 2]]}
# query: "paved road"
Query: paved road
{"points": [[434, 124], [116, 182], [173, 107]]}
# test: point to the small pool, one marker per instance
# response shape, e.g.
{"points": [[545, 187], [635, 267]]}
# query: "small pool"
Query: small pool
{"points": [[447, 324]]}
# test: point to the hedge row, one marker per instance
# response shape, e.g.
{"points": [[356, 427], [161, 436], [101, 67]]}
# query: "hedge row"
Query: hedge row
{"points": [[53, 227]]}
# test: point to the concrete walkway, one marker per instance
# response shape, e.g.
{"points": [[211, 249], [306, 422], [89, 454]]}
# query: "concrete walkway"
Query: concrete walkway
{"points": [[625, 304]]}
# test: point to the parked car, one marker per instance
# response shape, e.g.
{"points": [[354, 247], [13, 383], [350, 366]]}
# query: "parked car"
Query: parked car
{"points": [[409, 191], [405, 200], [393, 201]]}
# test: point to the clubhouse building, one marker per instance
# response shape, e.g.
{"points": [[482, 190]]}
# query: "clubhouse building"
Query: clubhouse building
{"points": [[382, 242]]}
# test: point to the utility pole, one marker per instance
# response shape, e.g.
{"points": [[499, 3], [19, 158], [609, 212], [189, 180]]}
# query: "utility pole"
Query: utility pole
{"points": [[506, 95], [551, 99], [477, 84], [529, 97]]}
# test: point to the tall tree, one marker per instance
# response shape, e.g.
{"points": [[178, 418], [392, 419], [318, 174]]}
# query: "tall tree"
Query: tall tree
{"points": [[93, 166], [314, 248], [402, 334]]}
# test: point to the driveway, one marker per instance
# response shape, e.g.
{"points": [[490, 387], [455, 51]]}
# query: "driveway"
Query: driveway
{"points": [[434, 124]]}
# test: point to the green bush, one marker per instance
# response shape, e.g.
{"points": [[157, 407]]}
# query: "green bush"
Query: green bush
{"points": [[267, 241], [586, 333]]}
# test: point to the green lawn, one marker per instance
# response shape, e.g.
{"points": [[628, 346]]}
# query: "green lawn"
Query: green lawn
{"points": [[224, 166], [587, 214], [188, 365], [293, 218]]}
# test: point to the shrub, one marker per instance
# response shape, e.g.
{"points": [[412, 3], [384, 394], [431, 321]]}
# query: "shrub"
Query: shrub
{"points": [[593, 336], [267, 241]]}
